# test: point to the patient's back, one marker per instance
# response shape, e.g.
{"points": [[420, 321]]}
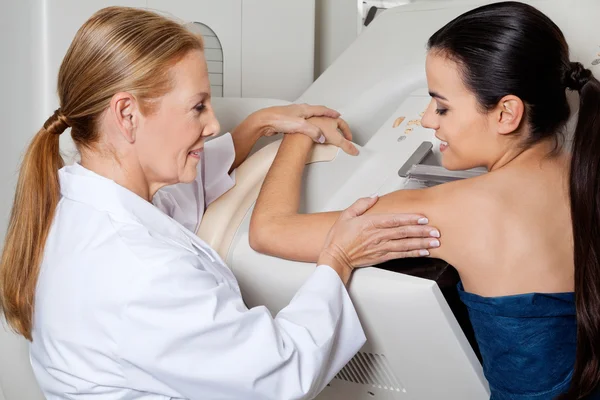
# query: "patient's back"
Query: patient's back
{"points": [[509, 235], [509, 231]]}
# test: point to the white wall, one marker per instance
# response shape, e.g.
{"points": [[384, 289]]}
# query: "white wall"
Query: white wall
{"points": [[278, 56], [338, 23], [22, 91]]}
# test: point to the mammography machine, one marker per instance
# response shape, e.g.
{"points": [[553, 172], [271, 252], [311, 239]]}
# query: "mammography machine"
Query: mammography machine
{"points": [[419, 342]]}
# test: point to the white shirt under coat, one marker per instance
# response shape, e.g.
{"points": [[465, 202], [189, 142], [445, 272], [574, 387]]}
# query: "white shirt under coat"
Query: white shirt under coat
{"points": [[131, 304]]}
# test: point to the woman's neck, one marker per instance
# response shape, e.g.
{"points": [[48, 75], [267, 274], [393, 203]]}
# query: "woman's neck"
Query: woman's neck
{"points": [[127, 174], [543, 150]]}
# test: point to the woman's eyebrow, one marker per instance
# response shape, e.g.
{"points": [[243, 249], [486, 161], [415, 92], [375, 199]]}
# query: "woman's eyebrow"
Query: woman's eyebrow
{"points": [[437, 96]]}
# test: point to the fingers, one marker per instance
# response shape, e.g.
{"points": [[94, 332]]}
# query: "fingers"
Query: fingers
{"points": [[329, 132], [348, 147], [308, 111], [409, 231], [342, 142], [396, 220], [359, 207], [393, 255], [383, 256], [404, 245], [345, 129], [311, 130], [403, 249]]}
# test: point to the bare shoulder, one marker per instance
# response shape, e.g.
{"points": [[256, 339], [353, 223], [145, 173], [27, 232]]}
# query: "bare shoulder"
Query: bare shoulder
{"points": [[446, 202], [493, 225], [462, 211]]}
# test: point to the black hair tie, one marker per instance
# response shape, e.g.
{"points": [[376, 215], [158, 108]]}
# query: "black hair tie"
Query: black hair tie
{"points": [[577, 76]]}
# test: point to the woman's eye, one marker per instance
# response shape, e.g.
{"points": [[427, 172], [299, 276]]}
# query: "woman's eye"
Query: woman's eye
{"points": [[441, 111], [200, 107]]}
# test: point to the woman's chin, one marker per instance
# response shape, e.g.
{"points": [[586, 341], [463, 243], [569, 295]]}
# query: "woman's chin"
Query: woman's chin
{"points": [[188, 176], [190, 170], [453, 164], [448, 164]]}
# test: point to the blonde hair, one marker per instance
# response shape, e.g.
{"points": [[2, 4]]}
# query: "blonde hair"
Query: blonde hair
{"points": [[118, 49]]}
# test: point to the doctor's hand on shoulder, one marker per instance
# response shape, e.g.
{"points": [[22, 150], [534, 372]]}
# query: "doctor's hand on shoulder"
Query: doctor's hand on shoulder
{"points": [[358, 240]]}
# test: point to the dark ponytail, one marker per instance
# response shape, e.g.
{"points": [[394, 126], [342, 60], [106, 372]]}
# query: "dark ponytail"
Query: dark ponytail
{"points": [[511, 48], [585, 214]]}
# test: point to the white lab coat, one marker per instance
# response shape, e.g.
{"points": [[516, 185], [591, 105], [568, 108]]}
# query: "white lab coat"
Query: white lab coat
{"points": [[132, 305]]}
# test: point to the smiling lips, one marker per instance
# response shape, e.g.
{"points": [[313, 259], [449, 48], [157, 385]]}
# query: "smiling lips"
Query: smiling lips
{"points": [[196, 153], [443, 145]]}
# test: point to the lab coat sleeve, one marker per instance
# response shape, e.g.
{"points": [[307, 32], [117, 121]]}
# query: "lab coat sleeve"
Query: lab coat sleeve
{"points": [[186, 202], [188, 335]]}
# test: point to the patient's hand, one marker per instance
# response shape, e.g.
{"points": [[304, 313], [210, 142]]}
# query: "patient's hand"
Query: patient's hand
{"points": [[335, 131]]}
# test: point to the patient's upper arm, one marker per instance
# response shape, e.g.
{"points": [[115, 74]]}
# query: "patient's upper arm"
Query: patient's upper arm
{"points": [[454, 208]]}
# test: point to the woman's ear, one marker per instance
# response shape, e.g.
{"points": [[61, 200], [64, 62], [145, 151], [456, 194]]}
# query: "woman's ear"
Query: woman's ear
{"points": [[510, 111], [124, 108]]}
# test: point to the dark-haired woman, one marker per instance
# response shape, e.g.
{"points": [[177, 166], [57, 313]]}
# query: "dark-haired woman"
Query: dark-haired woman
{"points": [[531, 276]]}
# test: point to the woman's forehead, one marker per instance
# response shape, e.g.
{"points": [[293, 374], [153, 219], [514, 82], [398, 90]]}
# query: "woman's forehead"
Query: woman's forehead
{"points": [[191, 76], [444, 75]]}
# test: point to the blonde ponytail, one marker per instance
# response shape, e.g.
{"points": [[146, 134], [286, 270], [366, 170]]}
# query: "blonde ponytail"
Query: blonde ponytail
{"points": [[36, 198]]}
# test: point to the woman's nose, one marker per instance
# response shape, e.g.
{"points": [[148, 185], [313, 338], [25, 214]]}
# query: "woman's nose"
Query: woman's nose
{"points": [[430, 118], [212, 128]]}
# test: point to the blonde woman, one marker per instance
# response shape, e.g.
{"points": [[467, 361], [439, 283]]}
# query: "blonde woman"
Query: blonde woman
{"points": [[101, 269]]}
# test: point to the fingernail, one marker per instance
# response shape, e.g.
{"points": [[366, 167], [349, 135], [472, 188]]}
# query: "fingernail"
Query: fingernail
{"points": [[434, 234], [321, 139], [374, 195], [423, 252], [434, 243], [423, 221]]}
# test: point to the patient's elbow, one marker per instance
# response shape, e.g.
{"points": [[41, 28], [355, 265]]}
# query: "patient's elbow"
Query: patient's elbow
{"points": [[259, 233]]}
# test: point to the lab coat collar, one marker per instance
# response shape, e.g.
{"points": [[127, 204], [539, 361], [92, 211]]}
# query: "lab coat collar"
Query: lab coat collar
{"points": [[82, 185]]}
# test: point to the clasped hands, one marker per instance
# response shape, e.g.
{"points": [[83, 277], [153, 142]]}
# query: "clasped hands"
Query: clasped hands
{"points": [[320, 123]]}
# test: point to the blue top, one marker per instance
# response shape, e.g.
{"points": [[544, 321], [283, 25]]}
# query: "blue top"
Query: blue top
{"points": [[527, 342]]}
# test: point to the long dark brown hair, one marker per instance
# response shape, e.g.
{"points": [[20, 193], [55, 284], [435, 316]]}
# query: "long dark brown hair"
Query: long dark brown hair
{"points": [[512, 48]]}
